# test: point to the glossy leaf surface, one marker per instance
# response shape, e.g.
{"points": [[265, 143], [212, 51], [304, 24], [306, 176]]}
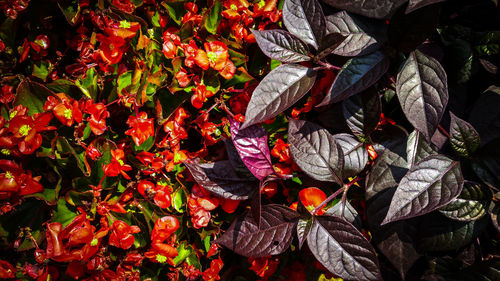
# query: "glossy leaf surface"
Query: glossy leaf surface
{"points": [[463, 137], [251, 144], [356, 75], [342, 249], [272, 238], [472, 203], [279, 90], [373, 9], [430, 184], [305, 19], [315, 151], [363, 37], [422, 91], [220, 179], [355, 154], [281, 45]]}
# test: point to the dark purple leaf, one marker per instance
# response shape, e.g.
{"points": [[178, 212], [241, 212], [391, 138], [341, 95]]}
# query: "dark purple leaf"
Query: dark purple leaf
{"points": [[342, 249], [483, 270], [380, 9], [355, 154], [256, 207], [303, 228], [406, 32], [486, 164], [329, 44], [362, 113], [281, 45], [220, 179], [388, 170], [422, 90], [234, 157], [430, 184], [356, 75], [315, 151], [472, 204], [363, 37], [347, 212], [417, 148], [485, 116], [417, 4], [394, 240], [272, 238], [251, 144], [463, 137], [279, 90], [305, 19], [438, 233]]}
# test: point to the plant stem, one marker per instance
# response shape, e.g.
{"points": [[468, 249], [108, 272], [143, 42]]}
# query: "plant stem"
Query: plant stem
{"points": [[443, 131], [329, 66], [343, 190]]}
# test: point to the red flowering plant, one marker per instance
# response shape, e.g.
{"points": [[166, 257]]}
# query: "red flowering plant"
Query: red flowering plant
{"points": [[299, 140]]}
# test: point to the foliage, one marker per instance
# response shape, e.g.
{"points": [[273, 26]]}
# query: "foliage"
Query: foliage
{"points": [[213, 140]]}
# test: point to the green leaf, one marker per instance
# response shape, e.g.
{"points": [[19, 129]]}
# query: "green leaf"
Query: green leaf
{"points": [[65, 86], [180, 200], [241, 76], [70, 9], [472, 203], [146, 145], [170, 102], [62, 213], [213, 17], [184, 252], [32, 95], [88, 85], [175, 11], [41, 69]]}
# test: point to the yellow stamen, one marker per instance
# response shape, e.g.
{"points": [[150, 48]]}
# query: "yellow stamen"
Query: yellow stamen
{"points": [[68, 114], [161, 258], [9, 175], [24, 130]]}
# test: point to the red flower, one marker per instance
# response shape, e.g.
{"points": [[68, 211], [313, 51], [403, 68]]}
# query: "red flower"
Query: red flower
{"points": [[7, 94], [281, 151], [117, 166], [26, 131], [311, 198], [217, 54], [264, 267], [15, 181], [98, 115], [201, 94], [6, 270], [169, 49], [182, 77], [124, 5], [161, 253], [141, 128], [212, 273], [65, 109], [121, 235], [153, 164], [93, 152], [111, 48], [164, 227]]}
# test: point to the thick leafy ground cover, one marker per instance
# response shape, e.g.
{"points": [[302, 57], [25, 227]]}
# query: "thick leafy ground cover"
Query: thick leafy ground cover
{"points": [[249, 140]]}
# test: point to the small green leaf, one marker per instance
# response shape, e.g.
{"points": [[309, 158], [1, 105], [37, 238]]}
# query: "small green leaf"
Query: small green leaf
{"points": [[32, 95], [213, 17], [146, 145], [184, 251], [62, 213], [180, 199], [71, 10], [41, 69], [175, 11]]}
